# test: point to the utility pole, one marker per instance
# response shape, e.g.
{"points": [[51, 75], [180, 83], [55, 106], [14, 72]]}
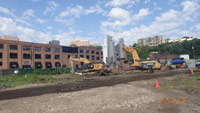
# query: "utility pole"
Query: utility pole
{"points": [[193, 52]]}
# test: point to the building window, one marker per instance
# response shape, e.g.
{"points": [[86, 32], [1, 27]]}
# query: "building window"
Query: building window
{"points": [[13, 55], [68, 56], [101, 53], [81, 56], [93, 58], [57, 50], [26, 66], [82, 64], [47, 49], [37, 56], [37, 48], [92, 52], [26, 47], [57, 64], [81, 51], [1, 46], [97, 58], [38, 65], [1, 63], [87, 51], [13, 47], [48, 56], [26, 62], [88, 57], [26, 56], [76, 56], [48, 65], [57, 56], [1, 55], [14, 65], [69, 49], [97, 53]]}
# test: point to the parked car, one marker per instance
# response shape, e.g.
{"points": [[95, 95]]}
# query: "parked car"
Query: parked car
{"points": [[197, 63]]}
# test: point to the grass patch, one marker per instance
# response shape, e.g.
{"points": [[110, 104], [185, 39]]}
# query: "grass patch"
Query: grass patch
{"points": [[35, 76], [190, 84], [18, 80]]}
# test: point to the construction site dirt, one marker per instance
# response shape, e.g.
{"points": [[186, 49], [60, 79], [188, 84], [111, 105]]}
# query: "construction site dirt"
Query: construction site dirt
{"points": [[131, 92]]}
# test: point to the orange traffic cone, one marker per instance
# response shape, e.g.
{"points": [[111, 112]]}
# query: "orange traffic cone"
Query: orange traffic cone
{"points": [[157, 84], [191, 72]]}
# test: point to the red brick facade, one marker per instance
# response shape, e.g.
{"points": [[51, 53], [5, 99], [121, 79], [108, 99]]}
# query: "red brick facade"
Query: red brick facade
{"points": [[28, 54]]}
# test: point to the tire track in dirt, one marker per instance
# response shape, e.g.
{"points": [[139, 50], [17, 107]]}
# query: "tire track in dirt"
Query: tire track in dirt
{"points": [[85, 84]]}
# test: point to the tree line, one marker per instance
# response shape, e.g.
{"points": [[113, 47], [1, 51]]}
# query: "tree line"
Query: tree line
{"points": [[177, 48]]}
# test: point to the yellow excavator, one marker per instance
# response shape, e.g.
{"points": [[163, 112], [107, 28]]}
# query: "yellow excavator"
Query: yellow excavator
{"points": [[135, 61], [97, 67]]}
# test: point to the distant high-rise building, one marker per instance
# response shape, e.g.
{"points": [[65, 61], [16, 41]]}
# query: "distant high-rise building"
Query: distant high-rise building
{"points": [[80, 43], [152, 41]]}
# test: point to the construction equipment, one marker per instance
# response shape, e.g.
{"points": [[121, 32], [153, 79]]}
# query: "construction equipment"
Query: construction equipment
{"points": [[136, 62], [97, 67]]}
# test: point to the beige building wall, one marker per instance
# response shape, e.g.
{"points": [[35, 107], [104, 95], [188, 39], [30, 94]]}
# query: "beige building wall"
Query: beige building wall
{"points": [[152, 41], [6, 37], [80, 43]]}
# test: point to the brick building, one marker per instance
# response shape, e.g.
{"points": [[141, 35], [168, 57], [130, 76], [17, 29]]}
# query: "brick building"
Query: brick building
{"points": [[156, 56], [18, 54]]}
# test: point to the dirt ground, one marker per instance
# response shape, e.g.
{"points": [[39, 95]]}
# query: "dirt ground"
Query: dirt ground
{"points": [[128, 93]]}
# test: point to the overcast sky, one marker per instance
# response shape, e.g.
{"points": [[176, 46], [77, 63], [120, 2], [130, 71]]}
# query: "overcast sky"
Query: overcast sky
{"points": [[66, 20]]}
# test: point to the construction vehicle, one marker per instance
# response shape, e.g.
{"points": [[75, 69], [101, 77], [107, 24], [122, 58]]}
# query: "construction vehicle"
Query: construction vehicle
{"points": [[157, 66], [136, 62], [96, 67]]}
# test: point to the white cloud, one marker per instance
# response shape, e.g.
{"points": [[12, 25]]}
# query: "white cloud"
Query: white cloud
{"points": [[68, 16], [51, 7], [22, 21], [118, 13], [189, 9], [146, 1], [169, 16], [79, 10], [9, 27], [115, 24], [171, 1], [49, 27], [6, 11], [15, 18], [65, 21], [141, 14], [29, 16], [197, 27], [120, 17], [116, 3], [29, 13], [40, 21], [168, 23], [75, 11], [95, 9]]}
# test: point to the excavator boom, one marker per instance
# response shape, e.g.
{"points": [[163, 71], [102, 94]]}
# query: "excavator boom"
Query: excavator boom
{"points": [[85, 60]]}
